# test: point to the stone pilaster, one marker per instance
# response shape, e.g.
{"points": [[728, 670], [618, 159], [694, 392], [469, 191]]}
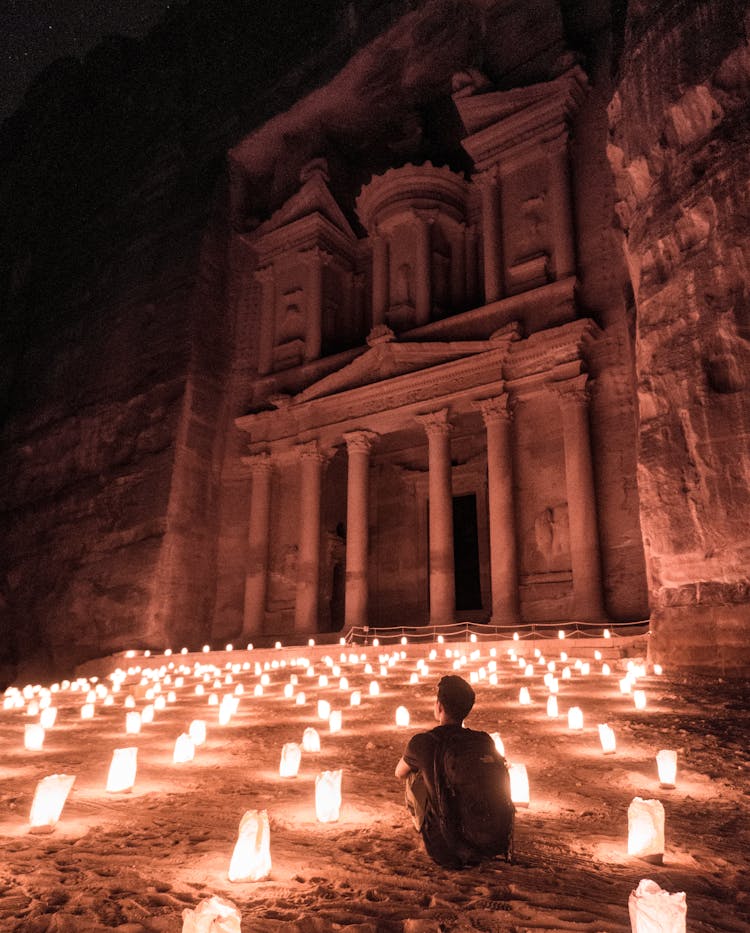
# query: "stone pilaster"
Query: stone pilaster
{"points": [[265, 276], [588, 603], [423, 267], [380, 278], [492, 235], [442, 570], [561, 207], [256, 574], [496, 414], [316, 259], [358, 446]]}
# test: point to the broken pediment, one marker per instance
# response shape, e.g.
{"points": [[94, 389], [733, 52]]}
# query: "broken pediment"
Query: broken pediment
{"points": [[387, 360], [313, 200]]}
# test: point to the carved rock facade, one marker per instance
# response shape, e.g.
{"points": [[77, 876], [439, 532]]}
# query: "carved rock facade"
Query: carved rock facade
{"points": [[362, 345]]}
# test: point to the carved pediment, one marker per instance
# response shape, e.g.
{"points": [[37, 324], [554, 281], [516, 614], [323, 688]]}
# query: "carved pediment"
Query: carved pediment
{"points": [[387, 360], [313, 198]]}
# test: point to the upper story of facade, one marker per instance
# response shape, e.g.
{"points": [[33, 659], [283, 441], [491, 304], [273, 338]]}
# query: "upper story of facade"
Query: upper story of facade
{"points": [[427, 252]]}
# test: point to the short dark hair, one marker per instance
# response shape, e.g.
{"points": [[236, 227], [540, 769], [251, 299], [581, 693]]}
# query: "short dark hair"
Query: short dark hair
{"points": [[456, 696]]}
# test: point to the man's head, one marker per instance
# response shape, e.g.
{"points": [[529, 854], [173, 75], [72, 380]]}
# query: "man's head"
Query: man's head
{"points": [[456, 697]]}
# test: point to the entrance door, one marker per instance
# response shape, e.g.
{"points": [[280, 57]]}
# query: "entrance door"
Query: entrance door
{"points": [[466, 553]]}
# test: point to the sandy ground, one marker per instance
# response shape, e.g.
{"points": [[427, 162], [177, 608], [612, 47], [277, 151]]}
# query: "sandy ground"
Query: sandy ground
{"points": [[133, 862]]}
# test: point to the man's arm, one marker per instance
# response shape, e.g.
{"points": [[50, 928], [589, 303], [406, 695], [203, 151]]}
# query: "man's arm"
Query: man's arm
{"points": [[402, 769]]}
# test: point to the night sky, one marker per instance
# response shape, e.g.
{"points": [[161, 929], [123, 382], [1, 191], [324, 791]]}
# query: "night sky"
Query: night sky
{"points": [[33, 33]]}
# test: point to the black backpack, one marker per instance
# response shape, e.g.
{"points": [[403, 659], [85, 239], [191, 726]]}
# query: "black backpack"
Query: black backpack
{"points": [[473, 803]]}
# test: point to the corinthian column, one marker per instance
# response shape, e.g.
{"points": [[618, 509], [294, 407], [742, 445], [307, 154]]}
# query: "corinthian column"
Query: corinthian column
{"points": [[442, 571], [308, 559], [492, 235], [588, 605], [358, 446], [503, 558], [256, 574]]}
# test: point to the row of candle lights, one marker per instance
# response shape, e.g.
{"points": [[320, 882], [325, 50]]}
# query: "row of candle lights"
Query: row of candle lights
{"points": [[256, 827]]}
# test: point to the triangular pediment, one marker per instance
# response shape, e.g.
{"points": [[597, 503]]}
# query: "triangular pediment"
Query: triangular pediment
{"points": [[314, 197], [390, 360]]}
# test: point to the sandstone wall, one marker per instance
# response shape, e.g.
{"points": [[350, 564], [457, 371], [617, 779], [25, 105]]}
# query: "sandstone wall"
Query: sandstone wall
{"points": [[118, 318], [679, 147]]}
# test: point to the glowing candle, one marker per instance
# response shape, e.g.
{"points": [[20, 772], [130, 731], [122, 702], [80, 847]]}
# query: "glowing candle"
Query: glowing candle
{"points": [[356, 698], [552, 706], [402, 716], [258, 690], [129, 702], [344, 683], [374, 688], [565, 675], [49, 799], [291, 756], [524, 697], [160, 702], [646, 830], [197, 731], [300, 701], [184, 749], [251, 859], [495, 736], [519, 784], [33, 736], [324, 709], [606, 670], [147, 715], [639, 699], [328, 796], [311, 740], [288, 691], [607, 738], [323, 680], [48, 717], [122, 770], [575, 718], [666, 762], [651, 908], [335, 720], [132, 723]]}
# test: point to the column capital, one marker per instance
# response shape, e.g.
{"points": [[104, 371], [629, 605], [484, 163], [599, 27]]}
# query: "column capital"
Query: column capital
{"points": [[499, 408], [258, 463], [313, 451], [575, 391], [360, 441], [316, 254], [488, 177], [264, 274], [425, 215], [435, 423]]}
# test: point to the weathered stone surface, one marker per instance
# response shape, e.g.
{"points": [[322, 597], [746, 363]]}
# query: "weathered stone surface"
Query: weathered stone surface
{"points": [[679, 150]]}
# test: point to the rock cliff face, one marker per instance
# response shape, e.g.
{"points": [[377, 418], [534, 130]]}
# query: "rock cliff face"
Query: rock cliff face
{"points": [[679, 151]]}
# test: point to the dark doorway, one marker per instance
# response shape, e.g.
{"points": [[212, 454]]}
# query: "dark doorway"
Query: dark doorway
{"points": [[466, 553]]}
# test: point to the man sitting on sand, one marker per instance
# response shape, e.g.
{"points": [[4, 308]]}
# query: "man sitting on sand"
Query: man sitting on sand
{"points": [[457, 786]]}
